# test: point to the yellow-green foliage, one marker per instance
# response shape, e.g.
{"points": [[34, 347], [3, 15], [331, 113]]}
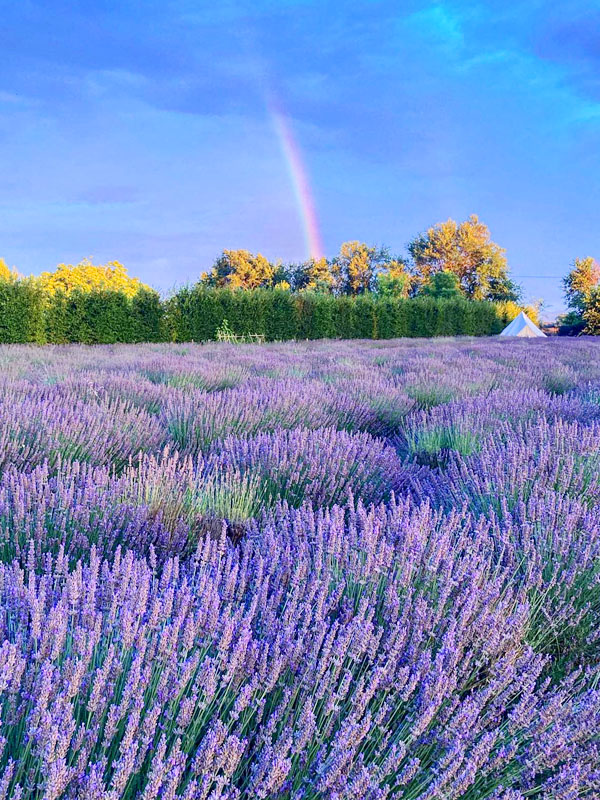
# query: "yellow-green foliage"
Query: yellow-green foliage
{"points": [[394, 279], [357, 263], [322, 275], [240, 269], [464, 249], [509, 310], [6, 273], [82, 303], [88, 277], [591, 315], [579, 284]]}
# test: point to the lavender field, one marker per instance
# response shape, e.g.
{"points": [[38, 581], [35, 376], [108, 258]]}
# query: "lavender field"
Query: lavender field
{"points": [[351, 570]]}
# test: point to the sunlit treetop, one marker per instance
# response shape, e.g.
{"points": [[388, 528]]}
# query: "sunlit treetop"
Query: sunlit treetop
{"points": [[321, 275], [240, 269], [6, 273], [580, 282], [87, 277], [466, 250]]}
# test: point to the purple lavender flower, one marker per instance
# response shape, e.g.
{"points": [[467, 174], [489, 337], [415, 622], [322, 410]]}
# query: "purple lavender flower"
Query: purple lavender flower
{"points": [[223, 575]]}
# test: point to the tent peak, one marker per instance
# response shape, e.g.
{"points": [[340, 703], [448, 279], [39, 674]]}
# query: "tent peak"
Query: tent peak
{"points": [[523, 327]]}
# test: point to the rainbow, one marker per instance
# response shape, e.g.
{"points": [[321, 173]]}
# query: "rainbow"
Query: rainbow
{"points": [[299, 178]]}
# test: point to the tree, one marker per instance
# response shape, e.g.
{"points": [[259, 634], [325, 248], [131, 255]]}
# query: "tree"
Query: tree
{"points": [[442, 284], [240, 269], [6, 273], [282, 276], [467, 251], [315, 275], [322, 275], [570, 324], [579, 284], [357, 265], [87, 277], [591, 315], [394, 279], [503, 290]]}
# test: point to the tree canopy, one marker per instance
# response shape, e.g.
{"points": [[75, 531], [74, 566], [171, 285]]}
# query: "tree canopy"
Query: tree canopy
{"points": [[394, 279], [466, 250], [87, 277], [240, 269], [357, 264], [321, 275], [6, 273], [442, 284], [353, 271], [578, 285], [591, 315]]}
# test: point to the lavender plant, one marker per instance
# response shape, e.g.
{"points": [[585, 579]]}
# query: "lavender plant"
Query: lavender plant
{"points": [[336, 654], [318, 571]]}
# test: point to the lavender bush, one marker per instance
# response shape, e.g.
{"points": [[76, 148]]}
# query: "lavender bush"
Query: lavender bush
{"points": [[326, 570]]}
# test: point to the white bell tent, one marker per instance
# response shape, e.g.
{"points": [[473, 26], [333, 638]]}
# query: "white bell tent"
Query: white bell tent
{"points": [[522, 326]]}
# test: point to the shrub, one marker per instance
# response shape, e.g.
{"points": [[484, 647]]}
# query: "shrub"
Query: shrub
{"points": [[235, 620], [442, 284], [21, 313], [148, 317], [321, 465]]}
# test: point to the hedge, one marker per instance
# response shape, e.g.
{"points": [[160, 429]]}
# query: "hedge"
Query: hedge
{"points": [[97, 317], [21, 312], [195, 314], [104, 317]]}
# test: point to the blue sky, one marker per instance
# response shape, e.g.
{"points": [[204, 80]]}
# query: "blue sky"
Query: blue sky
{"points": [[139, 131]]}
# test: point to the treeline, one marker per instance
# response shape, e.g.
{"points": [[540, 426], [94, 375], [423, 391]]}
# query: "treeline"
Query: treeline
{"points": [[474, 267], [452, 281]]}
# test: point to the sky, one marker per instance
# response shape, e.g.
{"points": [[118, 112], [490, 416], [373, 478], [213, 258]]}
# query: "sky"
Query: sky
{"points": [[160, 133]]}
